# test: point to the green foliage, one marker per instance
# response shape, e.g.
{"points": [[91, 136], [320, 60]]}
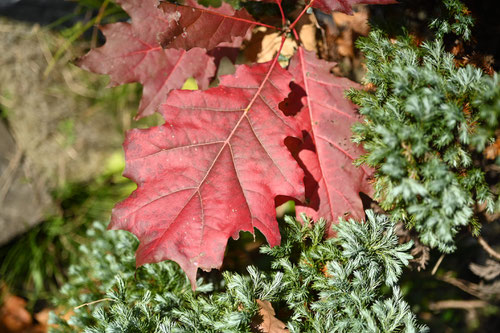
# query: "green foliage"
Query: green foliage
{"points": [[488, 104], [457, 20], [419, 124], [334, 285]]}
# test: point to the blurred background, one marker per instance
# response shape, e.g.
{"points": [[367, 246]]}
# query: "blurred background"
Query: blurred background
{"points": [[61, 131], [61, 160]]}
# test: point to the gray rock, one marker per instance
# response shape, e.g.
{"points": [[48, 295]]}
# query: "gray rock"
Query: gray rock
{"points": [[59, 133], [23, 202]]}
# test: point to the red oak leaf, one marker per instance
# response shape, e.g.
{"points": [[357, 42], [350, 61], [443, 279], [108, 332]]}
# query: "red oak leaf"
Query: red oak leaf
{"points": [[334, 183], [345, 6], [132, 52], [211, 170], [193, 25]]}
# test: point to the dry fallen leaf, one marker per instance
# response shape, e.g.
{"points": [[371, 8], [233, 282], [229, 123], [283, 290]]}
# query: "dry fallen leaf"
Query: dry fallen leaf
{"points": [[307, 36], [265, 321], [493, 151], [420, 252], [265, 44], [42, 318], [349, 26], [358, 22], [489, 271], [306, 28], [13, 315]]}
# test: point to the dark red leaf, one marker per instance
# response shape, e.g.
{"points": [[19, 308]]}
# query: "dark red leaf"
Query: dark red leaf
{"points": [[345, 6], [193, 25], [133, 54], [333, 186], [212, 170]]}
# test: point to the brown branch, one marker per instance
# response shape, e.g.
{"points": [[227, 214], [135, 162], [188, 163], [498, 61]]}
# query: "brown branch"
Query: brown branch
{"points": [[466, 286], [436, 266], [457, 304], [494, 254]]}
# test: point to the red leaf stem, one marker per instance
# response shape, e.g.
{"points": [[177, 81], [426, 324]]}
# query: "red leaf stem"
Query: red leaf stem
{"points": [[283, 19], [301, 14]]}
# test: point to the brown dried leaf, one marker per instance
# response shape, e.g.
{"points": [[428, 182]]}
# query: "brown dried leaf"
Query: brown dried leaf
{"points": [[13, 314], [306, 27], [490, 271], [265, 321], [421, 256], [358, 22], [489, 291], [265, 44], [420, 252], [350, 26], [493, 151], [307, 35]]}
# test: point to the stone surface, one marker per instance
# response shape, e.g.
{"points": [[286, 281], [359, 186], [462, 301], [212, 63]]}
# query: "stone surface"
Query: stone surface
{"points": [[62, 124], [22, 203]]}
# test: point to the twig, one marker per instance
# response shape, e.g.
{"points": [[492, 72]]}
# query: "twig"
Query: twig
{"points": [[93, 302], [436, 266], [494, 254], [300, 15], [283, 18], [466, 286], [61, 50], [457, 304], [100, 15]]}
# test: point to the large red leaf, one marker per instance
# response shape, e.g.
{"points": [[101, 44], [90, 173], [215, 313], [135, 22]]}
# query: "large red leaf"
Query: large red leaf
{"points": [[334, 183], [132, 52], [211, 170]]}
